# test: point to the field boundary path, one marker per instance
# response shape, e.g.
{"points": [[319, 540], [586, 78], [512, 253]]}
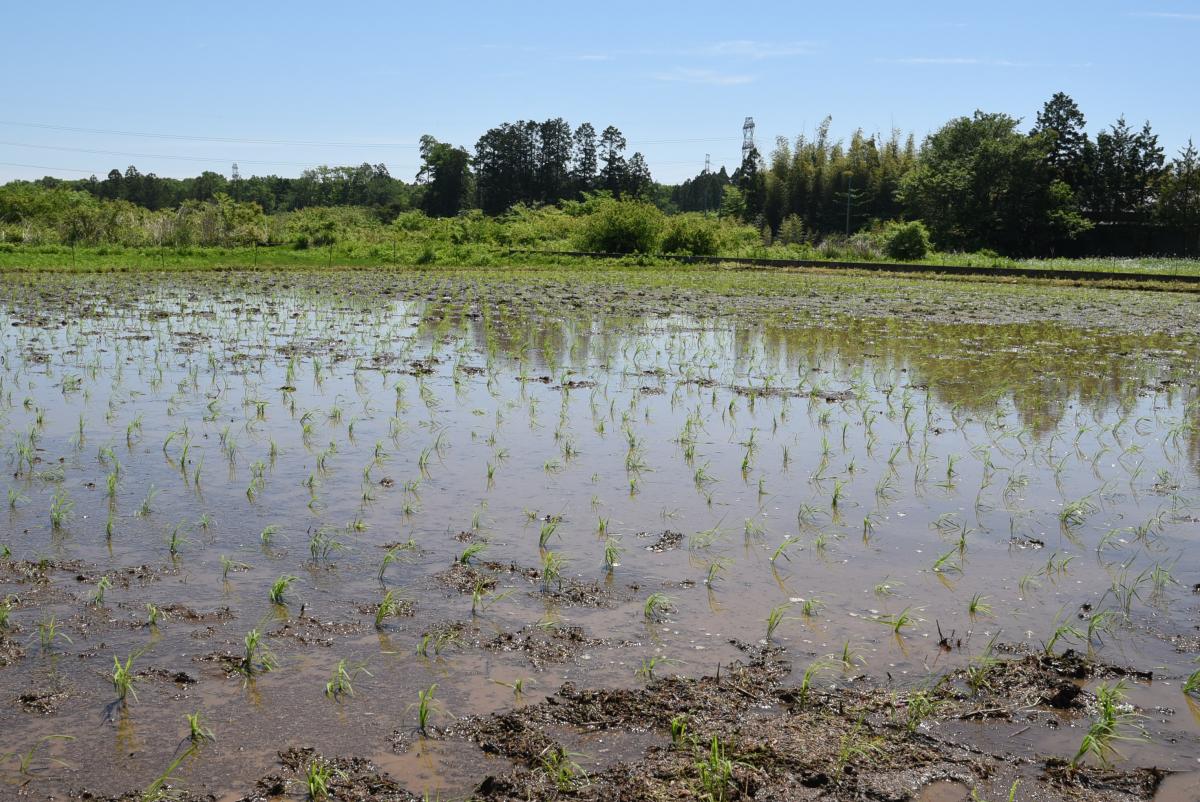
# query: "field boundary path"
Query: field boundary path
{"points": [[1185, 282]]}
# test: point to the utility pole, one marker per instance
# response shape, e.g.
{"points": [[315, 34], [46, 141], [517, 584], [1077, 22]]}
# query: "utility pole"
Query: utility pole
{"points": [[234, 178], [707, 182]]}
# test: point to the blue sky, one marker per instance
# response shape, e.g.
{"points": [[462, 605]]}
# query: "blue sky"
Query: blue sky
{"points": [[358, 81]]}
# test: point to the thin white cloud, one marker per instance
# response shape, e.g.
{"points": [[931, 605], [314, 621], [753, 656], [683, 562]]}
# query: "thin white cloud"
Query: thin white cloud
{"points": [[967, 61], [749, 48], [1167, 15], [699, 76]]}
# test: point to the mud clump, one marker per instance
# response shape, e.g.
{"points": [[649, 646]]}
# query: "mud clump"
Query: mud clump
{"points": [[543, 645]]}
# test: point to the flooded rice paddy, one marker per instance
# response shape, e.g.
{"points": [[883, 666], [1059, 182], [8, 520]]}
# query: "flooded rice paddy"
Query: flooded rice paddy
{"points": [[452, 533]]}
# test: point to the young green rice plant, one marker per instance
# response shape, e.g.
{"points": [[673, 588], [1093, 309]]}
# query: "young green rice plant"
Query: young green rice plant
{"points": [[228, 565], [777, 615], [471, 551], [553, 565], [396, 553], [7, 605], [61, 507], [977, 606], [123, 678], [49, 632], [319, 775], [656, 606], [256, 657], [560, 767], [103, 584], [340, 684], [321, 545], [517, 686], [483, 597], [715, 773], [809, 677], [679, 731], [197, 732], [1101, 621], [715, 569], [1115, 721], [650, 665], [153, 615], [547, 532], [918, 706], [426, 706], [898, 622], [176, 539], [854, 745], [147, 505], [1074, 513], [279, 588], [390, 606], [1063, 630], [809, 607], [782, 549], [979, 669], [612, 552], [1191, 686]]}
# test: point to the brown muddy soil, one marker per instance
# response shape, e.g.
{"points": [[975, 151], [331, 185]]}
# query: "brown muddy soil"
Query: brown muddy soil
{"points": [[747, 734]]}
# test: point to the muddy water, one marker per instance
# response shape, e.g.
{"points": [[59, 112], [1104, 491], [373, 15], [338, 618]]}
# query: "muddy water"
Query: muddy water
{"points": [[880, 477]]}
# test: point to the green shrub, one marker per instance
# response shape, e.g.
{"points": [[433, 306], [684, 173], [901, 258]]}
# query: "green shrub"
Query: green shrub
{"points": [[691, 235], [624, 226], [907, 241]]}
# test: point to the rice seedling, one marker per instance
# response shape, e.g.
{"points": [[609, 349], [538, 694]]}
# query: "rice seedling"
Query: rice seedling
{"points": [[650, 664], [256, 657], [612, 553], [547, 531], [977, 606], [561, 769], [782, 549], [321, 545], [656, 606], [396, 553], [48, 632], [426, 706], [1191, 686], [123, 678], [898, 622], [553, 565], [715, 771], [776, 616], [279, 588], [340, 684], [1115, 721], [919, 706], [61, 507], [471, 551], [807, 679], [517, 686], [228, 565], [319, 775], [197, 732], [103, 584]]}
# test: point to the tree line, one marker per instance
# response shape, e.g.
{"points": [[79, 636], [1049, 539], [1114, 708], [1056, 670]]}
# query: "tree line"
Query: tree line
{"points": [[977, 183]]}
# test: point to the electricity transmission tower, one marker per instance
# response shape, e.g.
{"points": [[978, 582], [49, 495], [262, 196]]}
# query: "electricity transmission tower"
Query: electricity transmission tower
{"points": [[747, 138]]}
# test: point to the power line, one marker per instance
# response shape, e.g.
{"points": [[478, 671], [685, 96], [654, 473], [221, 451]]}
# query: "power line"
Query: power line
{"points": [[299, 142], [133, 155], [237, 140], [46, 167]]}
